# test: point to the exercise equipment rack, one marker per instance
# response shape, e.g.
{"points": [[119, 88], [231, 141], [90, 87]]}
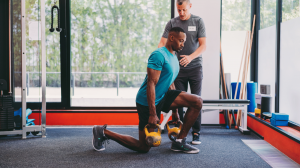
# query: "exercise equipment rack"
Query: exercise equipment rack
{"points": [[36, 128]]}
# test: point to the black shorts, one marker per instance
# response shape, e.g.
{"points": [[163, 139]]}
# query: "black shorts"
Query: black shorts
{"points": [[163, 105]]}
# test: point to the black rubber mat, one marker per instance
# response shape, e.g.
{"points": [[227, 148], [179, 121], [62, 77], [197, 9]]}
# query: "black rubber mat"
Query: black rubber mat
{"points": [[72, 147]]}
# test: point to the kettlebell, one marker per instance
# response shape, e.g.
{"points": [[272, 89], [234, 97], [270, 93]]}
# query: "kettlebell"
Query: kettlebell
{"points": [[173, 132], [153, 139]]}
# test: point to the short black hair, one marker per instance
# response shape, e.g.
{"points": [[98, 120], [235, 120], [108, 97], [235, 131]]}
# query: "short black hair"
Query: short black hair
{"points": [[180, 2], [176, 30]]}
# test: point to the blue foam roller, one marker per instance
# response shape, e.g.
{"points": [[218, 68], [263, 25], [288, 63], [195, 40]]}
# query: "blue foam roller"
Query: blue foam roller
{"points": [[280, 116], [233, 87], [251, 90], [279, 123]]}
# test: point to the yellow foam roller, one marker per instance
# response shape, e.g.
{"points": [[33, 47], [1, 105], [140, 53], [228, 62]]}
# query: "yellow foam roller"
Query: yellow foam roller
{"points": [[257, 111]]}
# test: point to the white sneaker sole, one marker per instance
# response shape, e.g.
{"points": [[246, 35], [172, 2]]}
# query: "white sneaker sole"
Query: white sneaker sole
{"points": [[196, 142], [194, 151], [176, 150]]}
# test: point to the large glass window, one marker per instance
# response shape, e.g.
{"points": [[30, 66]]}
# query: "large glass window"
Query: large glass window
{"points": [[290, 9], [267, 13], [17, 49], [236, 16], [33, 53], [111, 41], [267, 47], [53, 55], [267, 60], [289, 69]]}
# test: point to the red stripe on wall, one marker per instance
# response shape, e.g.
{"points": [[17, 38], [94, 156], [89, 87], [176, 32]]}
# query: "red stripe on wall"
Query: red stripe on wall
{"points": [[88, 118]]}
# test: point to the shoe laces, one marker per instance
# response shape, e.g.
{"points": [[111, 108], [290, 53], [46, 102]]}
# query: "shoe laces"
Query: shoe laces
{"points": [[105, 142], [105, 139], [196, 136]]}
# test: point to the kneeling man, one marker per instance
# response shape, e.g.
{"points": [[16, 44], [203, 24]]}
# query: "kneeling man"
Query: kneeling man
{"points": [[157, 94]]}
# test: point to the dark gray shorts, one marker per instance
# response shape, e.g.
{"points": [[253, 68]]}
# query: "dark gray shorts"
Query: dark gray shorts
{"points": [[163, 105]]}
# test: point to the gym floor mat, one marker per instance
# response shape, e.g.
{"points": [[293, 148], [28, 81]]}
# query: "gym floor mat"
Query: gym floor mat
{"points": [[72, 147], [270, 154]]}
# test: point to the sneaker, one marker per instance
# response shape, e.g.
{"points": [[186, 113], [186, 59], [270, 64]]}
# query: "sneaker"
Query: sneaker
{"points": [[184, 147], [99, 138], [196, 139]]}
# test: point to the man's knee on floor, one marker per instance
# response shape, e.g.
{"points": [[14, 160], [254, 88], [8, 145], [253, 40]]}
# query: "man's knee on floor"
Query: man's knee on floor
{"points": [[143, 148]]}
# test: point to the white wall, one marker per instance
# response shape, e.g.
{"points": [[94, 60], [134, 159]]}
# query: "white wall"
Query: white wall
{"points": [[266, 59], [289, 102], [209, 11], [232, 51]]}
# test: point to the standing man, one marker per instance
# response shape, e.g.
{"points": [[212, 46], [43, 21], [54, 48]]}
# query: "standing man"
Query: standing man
{"points": [[190, 56]]}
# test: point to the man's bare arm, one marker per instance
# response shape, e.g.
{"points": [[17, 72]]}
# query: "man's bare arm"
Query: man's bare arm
{"points": [[200, 49], [188, 58], [153, 77], [162, 42], [175, 115]]}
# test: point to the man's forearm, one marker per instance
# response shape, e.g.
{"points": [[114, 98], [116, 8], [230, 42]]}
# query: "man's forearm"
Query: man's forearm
{"points": [[151, 98], [172, 87], [198, 51]]}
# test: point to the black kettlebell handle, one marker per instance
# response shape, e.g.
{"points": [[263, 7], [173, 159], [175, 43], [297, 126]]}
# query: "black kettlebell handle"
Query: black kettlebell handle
{"points": [[58, 29], [171, 122]]}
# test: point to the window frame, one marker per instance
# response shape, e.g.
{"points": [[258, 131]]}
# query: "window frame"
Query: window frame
{"points": [[65, 58]]}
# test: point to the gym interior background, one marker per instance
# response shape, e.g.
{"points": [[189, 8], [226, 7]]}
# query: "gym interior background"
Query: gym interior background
{"points": [[96, 64]]}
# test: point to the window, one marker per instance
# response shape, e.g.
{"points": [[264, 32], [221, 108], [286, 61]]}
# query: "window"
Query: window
{"points": [[16, 49], [267, 47], [290, 9], [111, 41], [289, 68], [33, 53], [267, 13], [236, 16]]}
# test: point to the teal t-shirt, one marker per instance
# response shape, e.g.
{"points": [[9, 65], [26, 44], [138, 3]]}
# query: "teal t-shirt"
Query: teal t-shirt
{"points": [[164, 61]]}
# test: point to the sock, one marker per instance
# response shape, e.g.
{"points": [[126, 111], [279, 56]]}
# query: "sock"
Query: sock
{"points": [[179, 140]]}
